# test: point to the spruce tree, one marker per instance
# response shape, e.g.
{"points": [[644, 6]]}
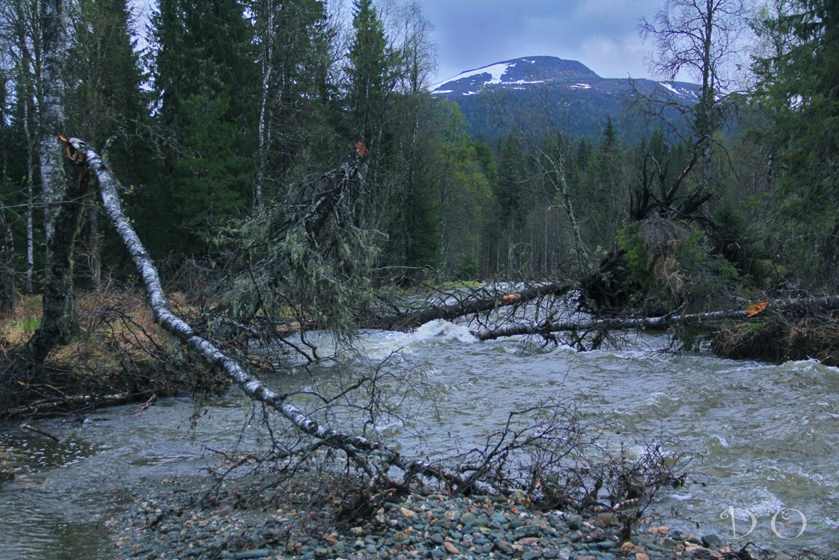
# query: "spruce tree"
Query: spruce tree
{"points": [[799, 88], [367, 71], [104, 102], [206, 81]]}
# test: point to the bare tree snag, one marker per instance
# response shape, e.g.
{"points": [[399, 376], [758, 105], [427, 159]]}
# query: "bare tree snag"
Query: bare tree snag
{"points": [[554, 170], [59, 323], [639, 323], [699, 36], [375, 459]]}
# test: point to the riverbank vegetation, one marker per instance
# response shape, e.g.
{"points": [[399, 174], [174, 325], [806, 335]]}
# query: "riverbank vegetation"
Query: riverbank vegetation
{"points": [[118, 355]]}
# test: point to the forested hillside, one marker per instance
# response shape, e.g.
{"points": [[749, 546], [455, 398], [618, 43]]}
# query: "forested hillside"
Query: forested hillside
{"points": [[231, 105], [265, 291], [545, 94]]}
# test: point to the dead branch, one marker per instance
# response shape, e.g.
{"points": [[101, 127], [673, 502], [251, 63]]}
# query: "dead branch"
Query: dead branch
{"points": [[371, 457], [473, 304], [40, 432], [51, 407], [546, 328]]}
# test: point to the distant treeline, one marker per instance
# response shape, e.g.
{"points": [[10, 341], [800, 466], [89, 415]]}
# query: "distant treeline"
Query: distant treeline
{"points": [[233, 105]]}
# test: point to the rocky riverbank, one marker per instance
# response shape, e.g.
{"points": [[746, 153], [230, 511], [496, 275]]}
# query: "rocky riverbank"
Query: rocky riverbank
{"points": [[180, 519]]}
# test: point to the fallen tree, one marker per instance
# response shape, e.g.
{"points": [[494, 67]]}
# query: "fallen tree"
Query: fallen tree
{"points": [[541, 452], [472, 303], [376, 460], [798, 306]]}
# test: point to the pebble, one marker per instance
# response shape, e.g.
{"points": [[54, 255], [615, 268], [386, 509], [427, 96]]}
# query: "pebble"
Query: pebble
{"points": [[712, 541], [412, 528], [574, 522], [451, 548], [505, 547]]}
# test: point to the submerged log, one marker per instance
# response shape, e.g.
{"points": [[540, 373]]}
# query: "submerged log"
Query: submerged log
{"points": [[360, 450], [469, 306], [798, 306]]}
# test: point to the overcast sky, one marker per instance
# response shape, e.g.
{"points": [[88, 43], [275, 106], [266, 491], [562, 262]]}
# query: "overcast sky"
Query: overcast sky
{"points": [[603, 34]]}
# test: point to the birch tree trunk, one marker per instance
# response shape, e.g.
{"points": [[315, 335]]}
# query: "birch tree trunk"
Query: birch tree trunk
{"points": [[59, 322], [24, 22], [557, 176], [30, 188], [54, 44], [375, 459], [267, 67]]}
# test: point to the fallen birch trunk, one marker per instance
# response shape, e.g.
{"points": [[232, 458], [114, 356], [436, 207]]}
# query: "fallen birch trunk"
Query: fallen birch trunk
{"points": [[358, 449], [470, 306], [826, 303]]}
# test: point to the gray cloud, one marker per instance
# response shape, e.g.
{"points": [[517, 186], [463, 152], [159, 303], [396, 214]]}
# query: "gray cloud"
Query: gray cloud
{"points": [[603, 34]]}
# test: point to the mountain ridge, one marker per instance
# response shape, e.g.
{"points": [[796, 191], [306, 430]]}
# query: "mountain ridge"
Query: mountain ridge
{"points": [[567, 94]]}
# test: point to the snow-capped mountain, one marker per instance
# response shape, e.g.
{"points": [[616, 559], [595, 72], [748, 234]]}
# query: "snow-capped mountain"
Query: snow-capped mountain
{"points": [[546, 91]]}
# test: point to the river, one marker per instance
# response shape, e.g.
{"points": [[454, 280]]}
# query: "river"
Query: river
{"points": [[763, 439]]}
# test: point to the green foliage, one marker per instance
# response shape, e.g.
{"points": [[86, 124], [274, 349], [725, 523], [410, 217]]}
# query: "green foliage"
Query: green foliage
{"points": [[301, 99], [207, 87], [674, 264], [211, 176], [635, 252], [798, 84], [306, 263], [189, 152], [371, 72]]}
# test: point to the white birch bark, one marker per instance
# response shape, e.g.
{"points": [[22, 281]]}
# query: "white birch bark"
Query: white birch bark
{"points": [[359, 449], [24, 21], [557, 176], [267, 67], [54, 43], [30, 185]]}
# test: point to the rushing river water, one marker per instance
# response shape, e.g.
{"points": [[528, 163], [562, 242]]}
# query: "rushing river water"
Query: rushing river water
{"points": [[763, 438]]}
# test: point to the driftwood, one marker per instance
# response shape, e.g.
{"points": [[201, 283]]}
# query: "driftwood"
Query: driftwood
{"points": [[800, 305], [40, 432], [469, 306], [375, 459], [51, 407]]}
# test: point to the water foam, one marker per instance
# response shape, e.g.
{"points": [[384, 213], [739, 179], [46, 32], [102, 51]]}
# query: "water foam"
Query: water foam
{"points": [[380, 344]]}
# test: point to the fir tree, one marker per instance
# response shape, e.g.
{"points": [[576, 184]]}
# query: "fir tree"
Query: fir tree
{"points": [[206, 80]]}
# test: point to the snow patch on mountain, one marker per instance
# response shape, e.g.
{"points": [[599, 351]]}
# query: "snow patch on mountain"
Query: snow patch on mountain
{"points": [[495, 72], [680, 91], [669, 88]]}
